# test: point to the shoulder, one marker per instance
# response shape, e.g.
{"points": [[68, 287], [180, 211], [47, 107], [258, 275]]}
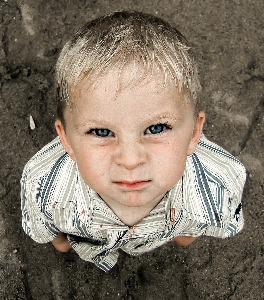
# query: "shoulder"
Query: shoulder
{"points": [[47, 175], [54, 197], [52, 177], [212, 188], [218, 165], [42, 162]]}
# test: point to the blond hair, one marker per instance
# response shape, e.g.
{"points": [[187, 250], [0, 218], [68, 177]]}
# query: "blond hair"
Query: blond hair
{"points": [[126, 37]]}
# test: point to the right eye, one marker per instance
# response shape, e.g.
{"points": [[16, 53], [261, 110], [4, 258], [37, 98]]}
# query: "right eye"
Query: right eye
{"points": [[157, 128], [101, 132]]}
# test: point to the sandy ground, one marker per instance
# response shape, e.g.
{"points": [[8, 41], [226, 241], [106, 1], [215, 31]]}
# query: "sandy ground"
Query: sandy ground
{"points": [[228, 38]]}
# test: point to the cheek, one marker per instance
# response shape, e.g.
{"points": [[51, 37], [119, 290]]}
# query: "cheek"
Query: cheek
{"points": [[174, 162], [92, 163], [170, 161]]}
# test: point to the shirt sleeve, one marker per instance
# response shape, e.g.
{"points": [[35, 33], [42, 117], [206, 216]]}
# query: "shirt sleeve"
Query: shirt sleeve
{"points": [[36, 223], [220, 206], [231, 219]]}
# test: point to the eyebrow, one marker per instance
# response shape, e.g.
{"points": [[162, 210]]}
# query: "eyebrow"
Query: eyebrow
{"points": [[166, 116], [93, 122], [104, 123], [90, 122]]}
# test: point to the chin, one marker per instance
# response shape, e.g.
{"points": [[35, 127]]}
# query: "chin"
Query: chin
{"points": [[135, 199], [134, 202], [132, 199]]}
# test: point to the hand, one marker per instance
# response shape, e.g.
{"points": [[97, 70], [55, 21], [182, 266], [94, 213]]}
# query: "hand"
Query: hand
{"points": [[184, 240], [61, 243]]}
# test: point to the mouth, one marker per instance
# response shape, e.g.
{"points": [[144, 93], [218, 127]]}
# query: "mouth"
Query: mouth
{"points": [[133, 185]]}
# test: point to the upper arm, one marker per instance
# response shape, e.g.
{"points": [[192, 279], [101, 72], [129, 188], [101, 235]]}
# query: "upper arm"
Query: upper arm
{"points": [[38, 225]]}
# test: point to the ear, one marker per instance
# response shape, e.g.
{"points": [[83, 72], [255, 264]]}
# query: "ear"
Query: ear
{"points": [[64, 139], [197, 131]]}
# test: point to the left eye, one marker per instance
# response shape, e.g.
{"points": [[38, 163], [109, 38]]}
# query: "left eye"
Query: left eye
{"points": [[101, 132], [157, 128]]}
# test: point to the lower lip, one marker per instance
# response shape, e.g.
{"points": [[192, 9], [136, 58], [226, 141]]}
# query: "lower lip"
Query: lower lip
{"points": [[132, 185]]}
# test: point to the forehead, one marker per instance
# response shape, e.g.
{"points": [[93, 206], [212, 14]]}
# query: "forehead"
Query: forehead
{"points": [[128, 79]]}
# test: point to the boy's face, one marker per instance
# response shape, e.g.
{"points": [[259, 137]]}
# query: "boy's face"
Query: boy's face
{"points": [[130, 146]]}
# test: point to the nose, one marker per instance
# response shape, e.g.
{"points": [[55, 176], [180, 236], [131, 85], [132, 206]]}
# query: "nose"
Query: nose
{"points": [[130, 154]]}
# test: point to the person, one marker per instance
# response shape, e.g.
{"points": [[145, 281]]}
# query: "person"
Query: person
{"points": [[131, 168]]}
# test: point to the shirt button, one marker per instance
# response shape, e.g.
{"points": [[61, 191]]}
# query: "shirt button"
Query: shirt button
{"points": [[132, 231]]}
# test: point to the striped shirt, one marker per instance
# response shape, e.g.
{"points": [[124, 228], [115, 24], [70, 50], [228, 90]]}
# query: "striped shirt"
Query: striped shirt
{"points": [[205, 201]]}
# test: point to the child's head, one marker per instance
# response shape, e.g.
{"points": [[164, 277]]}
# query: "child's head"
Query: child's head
{"points": [[129, 110], [148, 43]]}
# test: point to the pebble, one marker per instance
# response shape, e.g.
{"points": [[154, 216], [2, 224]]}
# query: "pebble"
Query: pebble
{"points": [[31, 123]]}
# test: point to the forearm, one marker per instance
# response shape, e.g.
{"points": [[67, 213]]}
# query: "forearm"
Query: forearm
{"points": [[184, 240], [61, 242]]}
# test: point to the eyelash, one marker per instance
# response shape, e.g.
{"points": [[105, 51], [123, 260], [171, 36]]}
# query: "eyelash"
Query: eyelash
{"points": [[106, 132]]}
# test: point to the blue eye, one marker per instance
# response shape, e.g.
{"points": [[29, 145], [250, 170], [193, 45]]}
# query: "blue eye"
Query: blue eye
{"points": [[101, 132], [157, 128]]}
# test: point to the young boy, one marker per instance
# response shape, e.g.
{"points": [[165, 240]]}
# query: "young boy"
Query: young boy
{"points": [[130, 168]]}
